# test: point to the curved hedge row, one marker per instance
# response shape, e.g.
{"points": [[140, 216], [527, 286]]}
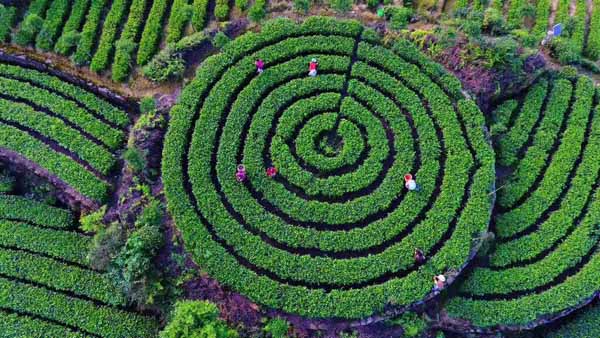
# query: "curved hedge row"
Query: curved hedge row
{"points": [[583, 325], [61, 127], [333, 233], [48, 287], [545, 262]]}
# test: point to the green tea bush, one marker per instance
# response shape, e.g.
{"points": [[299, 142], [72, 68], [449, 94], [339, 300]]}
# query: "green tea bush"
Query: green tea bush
{"points": [[85, 129], [399, 16], [326, 236], [566, 51], [301, 6], [341, 6], [196, 319], [544, 258], [28, 30]]}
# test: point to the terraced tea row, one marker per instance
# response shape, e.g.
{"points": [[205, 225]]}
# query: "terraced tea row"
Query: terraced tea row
{"points": [[48, 287], [545, 261], [333, 232], [60, 129], [116, 35], [579, 21]]}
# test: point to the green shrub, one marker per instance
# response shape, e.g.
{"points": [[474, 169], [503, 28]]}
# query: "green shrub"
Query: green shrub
{"points": [[135, 259], [222, 10], [277, 328], [92, 222], [241, 4], [135, 158], [569, 72], [199, 15], [164, 66], [181, 13], [372, 3], [301, 6], [28, 30], [67, 42], [412, 323], [7, 183], [590, 65], [566, 51], [493, 21], [190, 42], [191, 319], [399, 16], [88, 39], [341, 6], [8, 16], [525, 37], [110, 30], [151, 215], [124, 57], [220, 40], [258, 10], [152, 31], [105, 245], [51, 28], [472, 25], [147, 105]]}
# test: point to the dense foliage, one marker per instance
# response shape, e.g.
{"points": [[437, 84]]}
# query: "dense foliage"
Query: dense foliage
{"points": [[67, 131], [341, 244], [48, 285], [545, 255], [191, 319]]}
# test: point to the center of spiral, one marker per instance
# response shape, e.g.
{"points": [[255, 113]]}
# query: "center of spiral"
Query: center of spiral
{"points": [[329, 143]]}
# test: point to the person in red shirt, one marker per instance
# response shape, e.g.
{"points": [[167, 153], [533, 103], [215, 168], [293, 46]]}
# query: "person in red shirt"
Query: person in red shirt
{"points": [[271, 171], [312, 67], [260, 66]]}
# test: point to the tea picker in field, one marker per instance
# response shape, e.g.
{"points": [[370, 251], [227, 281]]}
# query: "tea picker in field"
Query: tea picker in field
{"points": [[260, 66], [439, 282], [271, 172], [312, 67], [240, 174], [410, 183], [419, 256]]}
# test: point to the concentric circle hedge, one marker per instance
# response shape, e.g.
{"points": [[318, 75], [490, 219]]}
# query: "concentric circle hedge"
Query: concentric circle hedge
{"points": [[333, 233]]}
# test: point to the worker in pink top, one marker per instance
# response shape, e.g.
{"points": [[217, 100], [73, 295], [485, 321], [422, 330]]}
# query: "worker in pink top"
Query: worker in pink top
{"points": [[439, 282], [312, 67], [240, 175], [260, 66]]}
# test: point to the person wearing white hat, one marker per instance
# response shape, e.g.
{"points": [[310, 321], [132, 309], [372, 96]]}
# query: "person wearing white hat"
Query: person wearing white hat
{"points": [[410, 183], [312, 67], [439, 282]]}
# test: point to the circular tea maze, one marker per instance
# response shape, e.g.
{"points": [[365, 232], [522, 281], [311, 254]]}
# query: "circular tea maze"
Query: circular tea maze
{"points": [[333, 233], [545, 262]]}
